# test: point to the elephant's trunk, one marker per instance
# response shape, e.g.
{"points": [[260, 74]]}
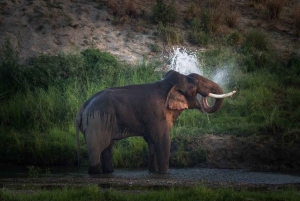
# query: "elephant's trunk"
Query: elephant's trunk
{"points": [[207, 88], [217, 104]]}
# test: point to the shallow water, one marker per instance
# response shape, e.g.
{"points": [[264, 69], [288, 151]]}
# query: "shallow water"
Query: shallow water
{"points": [[180, 174]]}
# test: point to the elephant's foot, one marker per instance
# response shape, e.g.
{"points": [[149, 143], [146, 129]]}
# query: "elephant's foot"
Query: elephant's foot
{"points": [[95, 169], [107, 168], [158, 172]]}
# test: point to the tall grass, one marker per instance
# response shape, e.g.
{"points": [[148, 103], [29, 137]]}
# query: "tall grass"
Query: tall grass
{"points": [[37, 113]]}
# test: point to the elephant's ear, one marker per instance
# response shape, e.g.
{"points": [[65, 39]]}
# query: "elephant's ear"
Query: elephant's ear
{"points": [[176, 100]]}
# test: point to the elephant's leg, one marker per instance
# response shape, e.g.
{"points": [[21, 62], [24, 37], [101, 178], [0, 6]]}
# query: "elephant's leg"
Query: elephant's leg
{"points": [[107, 159], [152, 158], [96, 143], [159, 146], [94, 160], [162, 152]]}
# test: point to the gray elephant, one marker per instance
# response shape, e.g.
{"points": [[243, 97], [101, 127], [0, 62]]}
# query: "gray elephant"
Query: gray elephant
{"points": [[147, 110]]}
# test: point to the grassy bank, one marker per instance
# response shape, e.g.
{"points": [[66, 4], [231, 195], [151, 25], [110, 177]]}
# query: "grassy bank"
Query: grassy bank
{"points": [[194, 193], [39, 100]]}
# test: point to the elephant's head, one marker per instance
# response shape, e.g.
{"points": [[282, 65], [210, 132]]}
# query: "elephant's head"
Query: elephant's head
{"points": [[183, 94]]}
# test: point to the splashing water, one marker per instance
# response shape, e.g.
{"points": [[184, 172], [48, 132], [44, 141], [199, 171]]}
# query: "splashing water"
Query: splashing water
{"points": [[184, 62], [222, 77]]}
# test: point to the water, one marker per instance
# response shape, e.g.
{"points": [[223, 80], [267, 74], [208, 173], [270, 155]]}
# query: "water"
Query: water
{"points": [[178, 174], [186, 62]]}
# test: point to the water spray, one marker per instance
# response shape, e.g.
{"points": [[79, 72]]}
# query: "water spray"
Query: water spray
{"points": [[184, 62]]}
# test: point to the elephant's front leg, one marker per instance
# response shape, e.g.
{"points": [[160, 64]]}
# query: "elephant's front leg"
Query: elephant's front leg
{"points": [[162, 152], [159, 150], [152, 158]]}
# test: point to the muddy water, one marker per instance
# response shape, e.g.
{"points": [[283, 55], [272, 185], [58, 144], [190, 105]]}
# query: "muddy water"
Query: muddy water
{"points": [[178, 174]]}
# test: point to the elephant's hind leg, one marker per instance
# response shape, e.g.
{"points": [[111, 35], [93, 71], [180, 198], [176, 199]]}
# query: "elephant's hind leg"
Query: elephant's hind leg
{"points": [[107, 159], [99, 144], [94, 160], [95, 146]]}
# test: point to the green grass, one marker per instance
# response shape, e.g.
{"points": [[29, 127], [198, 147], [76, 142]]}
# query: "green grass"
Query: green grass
{"points": [[39, 104], [92, 192]]}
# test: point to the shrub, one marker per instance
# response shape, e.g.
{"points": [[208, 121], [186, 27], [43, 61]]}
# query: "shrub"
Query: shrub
{"points": [[198, 38], [257, 51], [231, 18], [192, 12], [45, 70], [274, 8], [154, 48], [100, 66], [170, 35], [197, 35], [10, 74], [164, 13], [256, 40], [215, 13], [235, 38], [131, 152], [292, 68], [296, 16], [122, 8]]}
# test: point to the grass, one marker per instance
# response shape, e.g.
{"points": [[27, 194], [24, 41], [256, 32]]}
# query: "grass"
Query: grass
{"points": [[296, 20], [164, 13], [274, 8], [39, 103], [92, 192], [170, 34]]}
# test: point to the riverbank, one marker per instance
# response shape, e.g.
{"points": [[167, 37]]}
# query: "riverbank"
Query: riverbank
{"points": [[140, 180]]}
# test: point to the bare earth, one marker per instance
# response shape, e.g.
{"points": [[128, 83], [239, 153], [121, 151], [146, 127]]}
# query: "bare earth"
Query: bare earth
{"points": [[55, 26]]}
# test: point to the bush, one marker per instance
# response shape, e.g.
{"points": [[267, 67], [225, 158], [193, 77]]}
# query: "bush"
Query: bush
{"points": [[164, 13], [256, 40], [100, 66], [198, 38], [122, 8], [257, 51], [231, 18], [10, 74], [170, 35], [296, 16], [274, 8], [235, 38], [192, 12], [45, 70], [196, 35]]}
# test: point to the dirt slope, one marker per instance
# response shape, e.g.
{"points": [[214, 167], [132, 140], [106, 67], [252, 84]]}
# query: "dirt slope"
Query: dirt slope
{"points": [[56, 26]]}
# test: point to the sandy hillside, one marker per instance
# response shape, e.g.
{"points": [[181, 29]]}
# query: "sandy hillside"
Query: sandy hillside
{"points": [[67, 26], [54, 26]]}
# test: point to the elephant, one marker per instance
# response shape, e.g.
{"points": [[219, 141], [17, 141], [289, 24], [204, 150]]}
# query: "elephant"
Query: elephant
{"points": [[147, 110]]}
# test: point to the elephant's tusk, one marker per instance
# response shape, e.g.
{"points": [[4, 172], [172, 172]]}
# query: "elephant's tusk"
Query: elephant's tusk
{"points": [[221, 95]]}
